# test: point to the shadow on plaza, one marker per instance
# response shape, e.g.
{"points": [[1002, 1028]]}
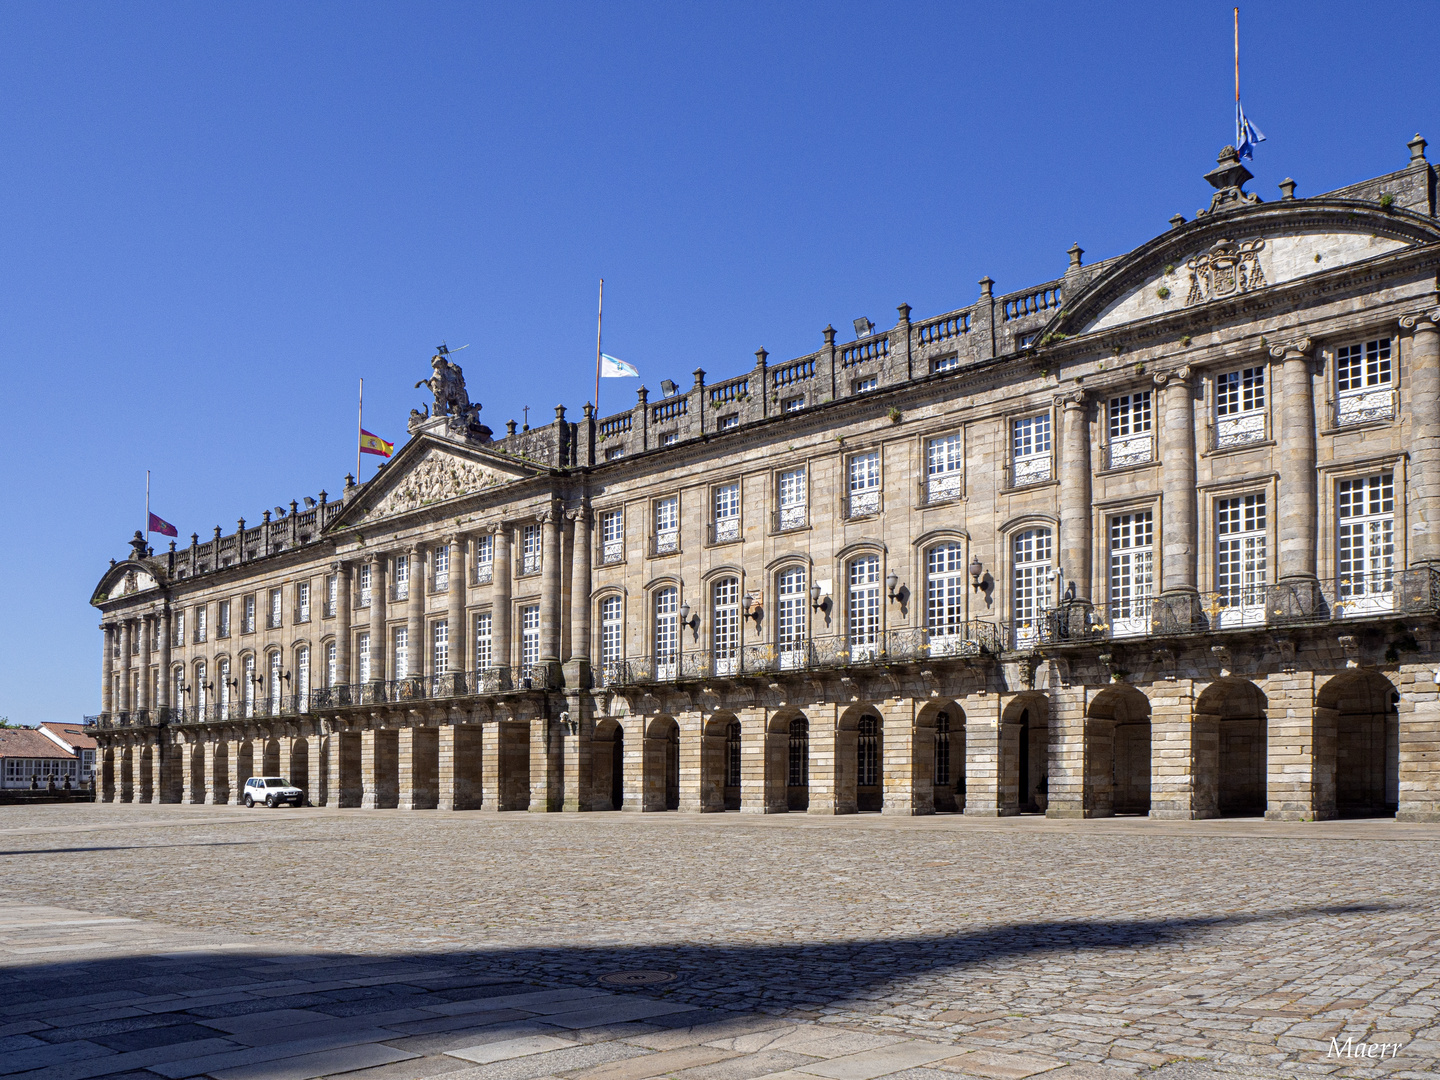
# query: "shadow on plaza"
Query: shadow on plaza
{"points": [[772, 978]]}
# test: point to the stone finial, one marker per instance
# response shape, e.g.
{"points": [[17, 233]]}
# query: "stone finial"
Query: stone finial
{"points": [[699, 374], [1177, 221], [1287, 189], [240, 527], [760, 357], [349, 481], [323, 497], [510, 427], [217, 532], [642, 395], [1228, 178], [294, 506], [830, 337], [138, 543], [1417, 149], [1075, 251], [559, 414], [195, 537], [589, 411], [172, 547], [904, 310], [987, 287]]}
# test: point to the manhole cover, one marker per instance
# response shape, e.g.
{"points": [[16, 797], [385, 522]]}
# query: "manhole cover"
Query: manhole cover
{"points": [[637, 978]]}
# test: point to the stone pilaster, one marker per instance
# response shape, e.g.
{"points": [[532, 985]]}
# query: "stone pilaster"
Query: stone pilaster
{"points": [[500, 642], [216, 786], [577, 670], [344, 631], [123, 700], [188, 795], [163, 683], [1297, 460], [145, 626], [577, 755], [824, 761], [379, 599], [1423, 487], [1075, 492], [370, 752], [1066, 787], [107, 670], [333, 753], [692, 761], [418, 653], [159, 759], [551, 522], [1178, 750], [907, 761], [1299, 737], [459, 632], [1419, 723], [982, 755], [1180, 540], [233, 769]]}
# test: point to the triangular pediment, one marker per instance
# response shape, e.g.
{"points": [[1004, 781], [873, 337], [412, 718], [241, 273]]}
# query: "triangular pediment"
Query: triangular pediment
{"points": [[428, 474]]}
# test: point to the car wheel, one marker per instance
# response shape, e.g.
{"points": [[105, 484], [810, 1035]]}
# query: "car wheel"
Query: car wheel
{"points": [[270, 801], [249, 802]]}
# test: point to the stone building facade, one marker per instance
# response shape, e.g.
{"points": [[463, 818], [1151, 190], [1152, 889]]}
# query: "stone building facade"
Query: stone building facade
{"points": [[1159, 536]]}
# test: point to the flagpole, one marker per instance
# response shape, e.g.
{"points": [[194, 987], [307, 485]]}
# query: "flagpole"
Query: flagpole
{"points": [[599, 315], [147, 506], [359, 427], [1238, 137]]}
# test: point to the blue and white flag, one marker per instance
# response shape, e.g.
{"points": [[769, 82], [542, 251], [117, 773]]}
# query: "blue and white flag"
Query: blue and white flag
{"points": [[611, 368], [1246, 133]]}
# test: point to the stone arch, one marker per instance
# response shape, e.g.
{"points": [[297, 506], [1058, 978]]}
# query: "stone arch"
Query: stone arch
{"points": [[270, 756], [1117, 752], [196, 794], [299, 768], [791, 729], [1230, 732], [1357, 745], [107, 774], [1025, 755], [944, 721], [144, 789], [608, 768], [715, 796], [127, 773], [661, 765], [859, 760]]}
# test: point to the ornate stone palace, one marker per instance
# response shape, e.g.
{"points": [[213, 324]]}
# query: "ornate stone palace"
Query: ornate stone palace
{"points": [[1160, 535]]}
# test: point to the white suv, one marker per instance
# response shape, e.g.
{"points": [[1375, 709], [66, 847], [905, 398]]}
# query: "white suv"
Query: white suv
{"points": [[272, 791]]}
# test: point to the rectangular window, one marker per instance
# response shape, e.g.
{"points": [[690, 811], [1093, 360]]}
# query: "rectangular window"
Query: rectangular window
{"points": [[1132, 572], [362, 657], [302, 602], [614, 453], [1132, 440], [402, 577], [945, 363], [667, 632], [793, 500], [670, 438], [1363, 383], [440, 648], [725, 626], [275, 688], [667, 525], [484, 559], [484, 645], [791, 613], [945, 598], [864, 484], [179, 632], [247, 685], [440, 559], [1240, 407], [365, 580], [275, 599], [864, 386], [1365, 542], [794, 404], [332, 594], [729, 422], [200, 613], [1241, 561], [530, 549], [530, 635], [332, 664], [248, 626], [401, 654], [612, 629], [725, 506], [1031, 589], [222, 621], [943, 468], [612, 537], [863, 616], [1030, 447]]}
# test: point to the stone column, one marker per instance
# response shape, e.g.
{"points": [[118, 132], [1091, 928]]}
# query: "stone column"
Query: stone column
{"points": [[379, 599], [753, 762], [982, 755], [232, 768], [186, 750], [1075, 493], [824, 783], [344, 634], [107, 670], [162, 685], [123, 697], [142, 687], [1298, 737], [907, 761], [577, 671], [369, 798], [500, 643], [1419, 737], [1180, 544], [546, 764], [1423, 487], [419, 651], [1177, 753], [490, 790], [1297, 461], [551, 522], [214, 759], [459, 632], [1068, 751], [316, 765]]}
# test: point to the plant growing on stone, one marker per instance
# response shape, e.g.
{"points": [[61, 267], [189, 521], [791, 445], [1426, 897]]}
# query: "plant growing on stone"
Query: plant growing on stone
{"points": [[1163, 293], [1387, 200], [1185, 339], [894, 414]]}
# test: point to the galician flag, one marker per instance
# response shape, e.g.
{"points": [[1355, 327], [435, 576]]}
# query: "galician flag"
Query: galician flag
{"points": [[373, 444], [157, 524], [611, 368]]}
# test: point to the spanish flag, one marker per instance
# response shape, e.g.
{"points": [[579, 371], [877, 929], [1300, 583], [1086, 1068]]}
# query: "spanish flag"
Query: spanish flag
{"points": [[373, 444]]}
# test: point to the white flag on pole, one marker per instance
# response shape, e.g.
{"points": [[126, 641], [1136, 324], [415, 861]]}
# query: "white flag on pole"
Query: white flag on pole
{"points": [[611, 368]]}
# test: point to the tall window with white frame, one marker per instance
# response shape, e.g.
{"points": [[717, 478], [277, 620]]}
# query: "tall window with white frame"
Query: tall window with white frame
{"points": [[1239, 407], [530, 549], [725, 625], [302, 602], [667, 525], [1132, 572], [223, 667], [200, 612], [402, 577], [612, 637], [1132, 436], [1365, 544], [177, 683], [791, 614], [612, 537], [1241, 561], [944, 468], [202, 689], [863, 613], [365, 579], [1030, 450], [332, 664], [332, 594], [440, 563], [302, 679], [725, 502], [275, 601], [276, 675], [864, 496], [484, 644], [529, 636], [945, 598], [799, 771], [400, 655], [667, 632], [1364, 382], [733, 756], [942, 749], [179, 631], [247, 685], [362, 658], [222, 619], [484, 559], [440, 651], [248, 626], [1030, 596], [793, 500]]}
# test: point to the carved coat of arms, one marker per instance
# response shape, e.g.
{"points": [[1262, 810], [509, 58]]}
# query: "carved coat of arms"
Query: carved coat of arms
{"points": [[1227, 269]]}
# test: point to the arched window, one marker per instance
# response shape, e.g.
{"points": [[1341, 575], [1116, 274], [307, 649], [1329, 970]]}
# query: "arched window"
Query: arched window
{"points": [[612, 636], [224, 666], [332, 664], [274, 703], [863, 614], [1031, 594], [725, 625], [942, 749], [302, 679], [247, 685], [945, 597], [178, 682], [202, 696], [667, 632], [732, 754], [799, 753], [791, 617], [867, 752]]}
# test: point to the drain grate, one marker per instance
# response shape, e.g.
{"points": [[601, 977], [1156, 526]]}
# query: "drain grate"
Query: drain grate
{"points": [[637, 978]]}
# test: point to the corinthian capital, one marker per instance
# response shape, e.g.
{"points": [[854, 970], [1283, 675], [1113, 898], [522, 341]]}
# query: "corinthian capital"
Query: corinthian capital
{"points": [[1414, 319], [1294, 347]]}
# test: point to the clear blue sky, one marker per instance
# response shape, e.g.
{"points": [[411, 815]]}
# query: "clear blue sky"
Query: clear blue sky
{"points": [[218, 217]]}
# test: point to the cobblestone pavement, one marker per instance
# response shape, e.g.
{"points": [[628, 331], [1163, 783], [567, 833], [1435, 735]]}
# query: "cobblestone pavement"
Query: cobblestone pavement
{"points": [[151, 941]]}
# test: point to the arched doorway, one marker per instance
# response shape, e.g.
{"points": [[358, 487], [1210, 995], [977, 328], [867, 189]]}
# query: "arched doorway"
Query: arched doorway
{"points": [[1360, 708], [270, 758], [299, 775], [1229, 734], [1117, 753], [1025, 756], [733, 761], [608, 775], [714, 764], [869, 777], [797, 765], [947, 723], [662, 764]]}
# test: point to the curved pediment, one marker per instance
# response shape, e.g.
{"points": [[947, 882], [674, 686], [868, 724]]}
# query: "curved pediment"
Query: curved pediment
{"points": [[124, 579], [1218, 258]]}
